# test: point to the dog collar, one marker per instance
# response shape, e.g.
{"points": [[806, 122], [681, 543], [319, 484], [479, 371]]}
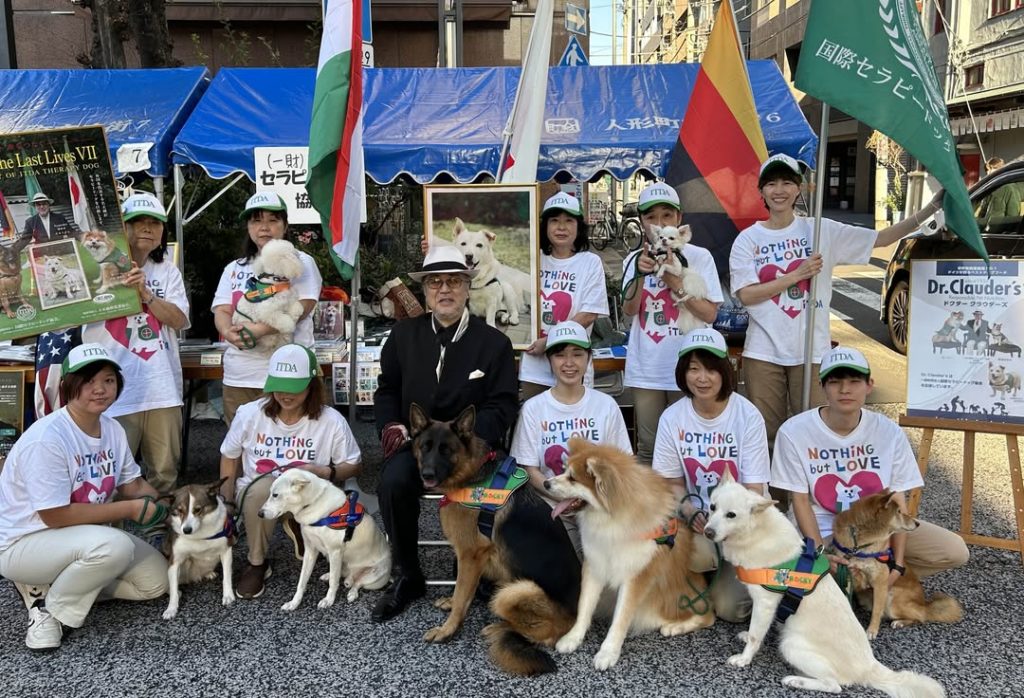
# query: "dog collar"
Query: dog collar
{"points": [[484, 285], [793, 578], [494, 490], [227, 531], [346, 518], [257, 291], [885, 556]]}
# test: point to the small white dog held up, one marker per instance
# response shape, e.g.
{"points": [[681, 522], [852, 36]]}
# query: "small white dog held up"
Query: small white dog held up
{"points": [[669, 242], [822, 639], [270, 298]]}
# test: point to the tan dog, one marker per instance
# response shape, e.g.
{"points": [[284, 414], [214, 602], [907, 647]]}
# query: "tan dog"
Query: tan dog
{"points": [[627, 510], [865, 529], [113, 263]]}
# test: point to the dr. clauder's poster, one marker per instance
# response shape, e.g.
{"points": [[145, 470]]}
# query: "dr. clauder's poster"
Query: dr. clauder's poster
{"points": [[966, 329]]}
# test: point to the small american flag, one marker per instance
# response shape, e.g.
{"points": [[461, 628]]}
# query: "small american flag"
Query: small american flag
{"points": [[51, 350]]}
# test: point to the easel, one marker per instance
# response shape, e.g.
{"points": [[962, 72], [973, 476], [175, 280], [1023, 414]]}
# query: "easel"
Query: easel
{"points": [[969, 429]]}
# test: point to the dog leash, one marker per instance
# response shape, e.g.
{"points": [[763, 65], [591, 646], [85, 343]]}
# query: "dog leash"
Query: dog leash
{"points": [[239, 522], [700, 603], [637, 280]]}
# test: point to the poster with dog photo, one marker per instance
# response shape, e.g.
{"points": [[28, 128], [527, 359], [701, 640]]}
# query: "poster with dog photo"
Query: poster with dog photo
{"points": [[964, 348], [65, 262], [495, 227]]}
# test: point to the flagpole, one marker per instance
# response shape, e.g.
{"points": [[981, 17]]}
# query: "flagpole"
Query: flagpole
{"points": [[353, 345], [812, 299]]}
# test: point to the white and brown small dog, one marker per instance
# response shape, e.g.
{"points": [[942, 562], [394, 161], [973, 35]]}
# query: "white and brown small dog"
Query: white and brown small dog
{"points": [[201, 534], [334, 524], [55, 279], [1006, 383], [668, 250], [113, 262], [270, 297]]}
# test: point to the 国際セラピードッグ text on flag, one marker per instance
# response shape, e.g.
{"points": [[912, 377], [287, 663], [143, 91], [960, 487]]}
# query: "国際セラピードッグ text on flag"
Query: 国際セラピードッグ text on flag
{"points": [[720, 147], [336, 186], [870, 59]]}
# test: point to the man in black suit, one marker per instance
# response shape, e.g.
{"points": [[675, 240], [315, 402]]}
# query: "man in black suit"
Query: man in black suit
{"points": [[46, 225]]}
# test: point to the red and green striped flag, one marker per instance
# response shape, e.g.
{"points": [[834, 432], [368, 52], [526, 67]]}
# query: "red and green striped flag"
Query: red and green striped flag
{"points": [[715, 162], [336, 185]]}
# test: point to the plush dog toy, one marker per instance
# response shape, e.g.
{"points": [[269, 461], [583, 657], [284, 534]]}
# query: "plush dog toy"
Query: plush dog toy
{"points": [[270, 297]]}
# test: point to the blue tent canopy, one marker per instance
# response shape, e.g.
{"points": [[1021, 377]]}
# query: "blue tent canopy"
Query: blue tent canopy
{"points": [[135, 106], [427, 121]]}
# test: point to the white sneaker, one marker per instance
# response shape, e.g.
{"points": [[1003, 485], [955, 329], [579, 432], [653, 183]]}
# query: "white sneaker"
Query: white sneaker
{"points": [[44, 631], [31, 593]]}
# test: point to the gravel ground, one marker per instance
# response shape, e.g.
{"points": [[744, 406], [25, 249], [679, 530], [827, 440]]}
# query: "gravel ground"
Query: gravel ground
{"points": [[255, 649]]}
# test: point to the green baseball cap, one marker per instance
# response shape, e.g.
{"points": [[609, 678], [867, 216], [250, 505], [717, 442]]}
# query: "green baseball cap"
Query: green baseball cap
{"points": [[291, 369], [85, 354], [263, 200]]}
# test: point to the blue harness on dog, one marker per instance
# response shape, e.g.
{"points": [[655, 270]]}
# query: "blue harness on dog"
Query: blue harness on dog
{"points": [[227, 531], [347, 517]]}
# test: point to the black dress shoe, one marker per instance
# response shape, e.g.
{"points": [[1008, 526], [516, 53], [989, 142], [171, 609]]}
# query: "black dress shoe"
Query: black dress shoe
{"points": [[404, 591]]}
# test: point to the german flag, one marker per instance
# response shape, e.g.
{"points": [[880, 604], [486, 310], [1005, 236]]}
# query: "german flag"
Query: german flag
{"points": [[720, 148]]}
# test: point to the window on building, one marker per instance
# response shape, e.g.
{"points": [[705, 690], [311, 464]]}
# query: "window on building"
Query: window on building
{"points": [[974, 77], [1001, 7]]}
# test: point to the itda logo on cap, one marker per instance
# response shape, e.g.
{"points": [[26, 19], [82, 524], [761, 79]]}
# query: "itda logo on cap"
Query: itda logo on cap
{"points": [[565, 202]]}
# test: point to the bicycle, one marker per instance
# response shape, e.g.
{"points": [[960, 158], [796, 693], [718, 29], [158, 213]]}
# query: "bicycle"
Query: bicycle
{"points": [[606, 228]]}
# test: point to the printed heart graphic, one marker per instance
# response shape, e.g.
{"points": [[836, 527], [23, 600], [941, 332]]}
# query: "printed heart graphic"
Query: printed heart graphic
{"points": [[88, 493], [836, 494], [555, 308], [555, 458], [793, 304], [139, 334], [704, 479], [265, 465], [659, 312]]}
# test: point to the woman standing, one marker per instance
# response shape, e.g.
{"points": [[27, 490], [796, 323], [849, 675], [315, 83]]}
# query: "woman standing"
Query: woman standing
{"points": [[710, 430], [146, 345], [572, 286], [245, 370], [290, 427], [567, 409], [55, 497], [771, 268]]}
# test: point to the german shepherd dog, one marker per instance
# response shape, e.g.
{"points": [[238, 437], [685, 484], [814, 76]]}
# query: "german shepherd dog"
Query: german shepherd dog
{"points": [[866, 528], [529, 554]]}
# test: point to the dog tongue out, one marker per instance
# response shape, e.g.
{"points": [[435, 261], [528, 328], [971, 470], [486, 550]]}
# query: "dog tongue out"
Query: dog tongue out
{"points": [[562, 506]]}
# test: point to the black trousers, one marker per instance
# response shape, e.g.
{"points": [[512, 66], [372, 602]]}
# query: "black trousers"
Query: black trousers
{"points": [[399, 496]]}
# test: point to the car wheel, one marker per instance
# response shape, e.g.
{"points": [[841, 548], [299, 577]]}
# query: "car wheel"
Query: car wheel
{"points": [[897, 315]]}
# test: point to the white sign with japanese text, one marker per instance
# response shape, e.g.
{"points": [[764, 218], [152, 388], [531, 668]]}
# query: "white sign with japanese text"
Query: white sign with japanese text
{"points": [[966, 332], [282, 170]]}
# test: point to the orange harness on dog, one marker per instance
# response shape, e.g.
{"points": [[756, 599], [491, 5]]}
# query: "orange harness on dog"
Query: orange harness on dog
{"points": [[665, 534]]}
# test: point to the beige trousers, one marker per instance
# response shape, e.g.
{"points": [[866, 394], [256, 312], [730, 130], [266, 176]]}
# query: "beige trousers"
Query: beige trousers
{"points": [[235, 398], [648, 405], [83, 564], [158, 434]]}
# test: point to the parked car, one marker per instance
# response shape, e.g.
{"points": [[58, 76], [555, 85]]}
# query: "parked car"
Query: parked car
{"points": [[998, 202]]}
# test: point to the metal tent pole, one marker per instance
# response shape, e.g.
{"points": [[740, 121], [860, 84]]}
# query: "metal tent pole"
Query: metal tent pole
{"points": [[812, 299]]}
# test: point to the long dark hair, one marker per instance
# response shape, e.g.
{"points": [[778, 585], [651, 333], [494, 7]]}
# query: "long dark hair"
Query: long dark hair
{"points": [[582, 242]]}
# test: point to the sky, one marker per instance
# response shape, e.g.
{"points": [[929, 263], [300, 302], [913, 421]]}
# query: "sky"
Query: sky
{"points": [[600, 30]]}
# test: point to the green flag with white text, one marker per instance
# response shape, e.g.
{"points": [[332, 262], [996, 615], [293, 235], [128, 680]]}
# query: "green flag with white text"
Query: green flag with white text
{"points": [[870, 59]]}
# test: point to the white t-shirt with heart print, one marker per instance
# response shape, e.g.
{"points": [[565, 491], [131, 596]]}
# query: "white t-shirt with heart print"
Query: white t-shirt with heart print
{"points": [[546, 425], [248, 369], [55, 463], [759, 255], [838, 470], [567, 287], [265, 444], [146, 349], [700, 450], [654, 338]]}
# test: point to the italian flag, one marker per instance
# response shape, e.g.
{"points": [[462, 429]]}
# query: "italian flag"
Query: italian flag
{"points": [[336, 184]]}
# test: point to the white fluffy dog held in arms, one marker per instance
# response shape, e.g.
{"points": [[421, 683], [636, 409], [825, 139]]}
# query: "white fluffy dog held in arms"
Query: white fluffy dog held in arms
{"points": [[270, 298]]}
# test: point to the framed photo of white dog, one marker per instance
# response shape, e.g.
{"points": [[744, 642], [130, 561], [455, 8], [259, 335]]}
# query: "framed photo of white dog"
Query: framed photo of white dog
{"points": [[63, 249], [496, 227]]}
